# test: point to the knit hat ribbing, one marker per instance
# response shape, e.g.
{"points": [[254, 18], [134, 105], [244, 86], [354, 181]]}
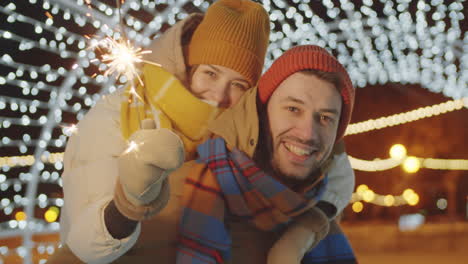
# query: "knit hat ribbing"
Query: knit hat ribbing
{"points": [[233, 34], [309, 57]]}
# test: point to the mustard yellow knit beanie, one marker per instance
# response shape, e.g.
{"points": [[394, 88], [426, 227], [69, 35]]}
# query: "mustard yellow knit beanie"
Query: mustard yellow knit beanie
{"points": [[233, 34]]}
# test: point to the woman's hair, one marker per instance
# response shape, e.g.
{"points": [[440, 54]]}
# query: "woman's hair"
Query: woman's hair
{"points": [[190, 72]]}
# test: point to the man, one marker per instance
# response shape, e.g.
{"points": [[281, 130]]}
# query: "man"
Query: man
{"points": [[299, 115]]}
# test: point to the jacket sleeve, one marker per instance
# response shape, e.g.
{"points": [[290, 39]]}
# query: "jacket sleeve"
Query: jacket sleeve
{"points": [[341, 182], [89, 183]]}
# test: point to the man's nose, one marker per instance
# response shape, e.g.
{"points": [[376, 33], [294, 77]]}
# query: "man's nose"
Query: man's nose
{"points": [[307, 129]]}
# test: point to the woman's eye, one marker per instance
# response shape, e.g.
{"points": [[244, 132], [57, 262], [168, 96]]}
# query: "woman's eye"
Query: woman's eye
{"points": [[240, 86], [210, 73]]}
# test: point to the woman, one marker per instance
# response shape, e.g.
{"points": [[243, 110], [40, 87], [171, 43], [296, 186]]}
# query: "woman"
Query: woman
{"points": [[216, 58]]}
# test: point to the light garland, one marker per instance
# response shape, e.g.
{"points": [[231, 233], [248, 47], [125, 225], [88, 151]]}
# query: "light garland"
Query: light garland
{"points": [[363, 193], [357, 164], [406, 117], [28, 160], [373, 165], [349, 30], [428, 163]]}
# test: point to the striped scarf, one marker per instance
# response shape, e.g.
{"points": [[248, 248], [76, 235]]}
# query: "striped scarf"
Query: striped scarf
{"points": [[234, 184]]}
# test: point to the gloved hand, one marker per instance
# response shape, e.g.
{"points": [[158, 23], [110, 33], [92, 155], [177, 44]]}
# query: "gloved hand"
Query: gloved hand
{"points": [[299, 237], [152, 155]]}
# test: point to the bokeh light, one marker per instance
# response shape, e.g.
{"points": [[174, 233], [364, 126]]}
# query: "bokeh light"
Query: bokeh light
{"points": [[411, 164], [358, 207], [51, 215], [398, 152], [442, 203], [20, 216]]}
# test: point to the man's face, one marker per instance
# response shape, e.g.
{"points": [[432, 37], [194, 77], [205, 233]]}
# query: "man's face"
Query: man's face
{"points": [[303, 113]]}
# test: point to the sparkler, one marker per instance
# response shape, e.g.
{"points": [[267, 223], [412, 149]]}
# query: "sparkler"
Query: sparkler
{"points": [[122, 58]]}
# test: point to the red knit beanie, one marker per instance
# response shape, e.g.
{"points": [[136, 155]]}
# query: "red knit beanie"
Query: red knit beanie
{"points": [[309, 57]]}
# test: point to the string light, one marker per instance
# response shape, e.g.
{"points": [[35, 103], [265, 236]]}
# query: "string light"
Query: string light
{"points": [[357, 164], [363, 193], [373, 165], [28, 160], [410, 164], [406, 117]]}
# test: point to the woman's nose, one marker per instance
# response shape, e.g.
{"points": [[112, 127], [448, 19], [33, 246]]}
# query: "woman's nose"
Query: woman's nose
{"points": [[221, 95]]}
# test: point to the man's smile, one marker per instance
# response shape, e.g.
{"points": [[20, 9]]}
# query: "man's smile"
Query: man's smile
{"points": [[298, 153]]}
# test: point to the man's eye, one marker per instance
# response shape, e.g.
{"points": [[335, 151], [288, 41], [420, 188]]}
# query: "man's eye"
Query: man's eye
{"points": [[293, 109], [326, 118]]}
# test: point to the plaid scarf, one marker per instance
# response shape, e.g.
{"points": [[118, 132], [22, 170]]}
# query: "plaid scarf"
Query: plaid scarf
{"points": [[233, 184]]}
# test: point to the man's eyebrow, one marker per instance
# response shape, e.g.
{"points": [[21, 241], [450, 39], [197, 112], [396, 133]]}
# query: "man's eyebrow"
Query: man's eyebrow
{"points": [[299, 101], [330, 110], [293, 99]]}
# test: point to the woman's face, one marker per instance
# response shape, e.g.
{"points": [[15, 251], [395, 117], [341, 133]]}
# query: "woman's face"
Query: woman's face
{"points": [[219, 85]]}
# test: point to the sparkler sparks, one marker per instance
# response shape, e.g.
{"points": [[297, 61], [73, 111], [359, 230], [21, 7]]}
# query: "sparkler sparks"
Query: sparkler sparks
{"points": [[122, 58], [132, 146], [135, 93], [69, 130], [49, 15]]}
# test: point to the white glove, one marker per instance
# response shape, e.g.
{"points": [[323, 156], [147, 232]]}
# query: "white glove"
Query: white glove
{"points": [[152, 155]]}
